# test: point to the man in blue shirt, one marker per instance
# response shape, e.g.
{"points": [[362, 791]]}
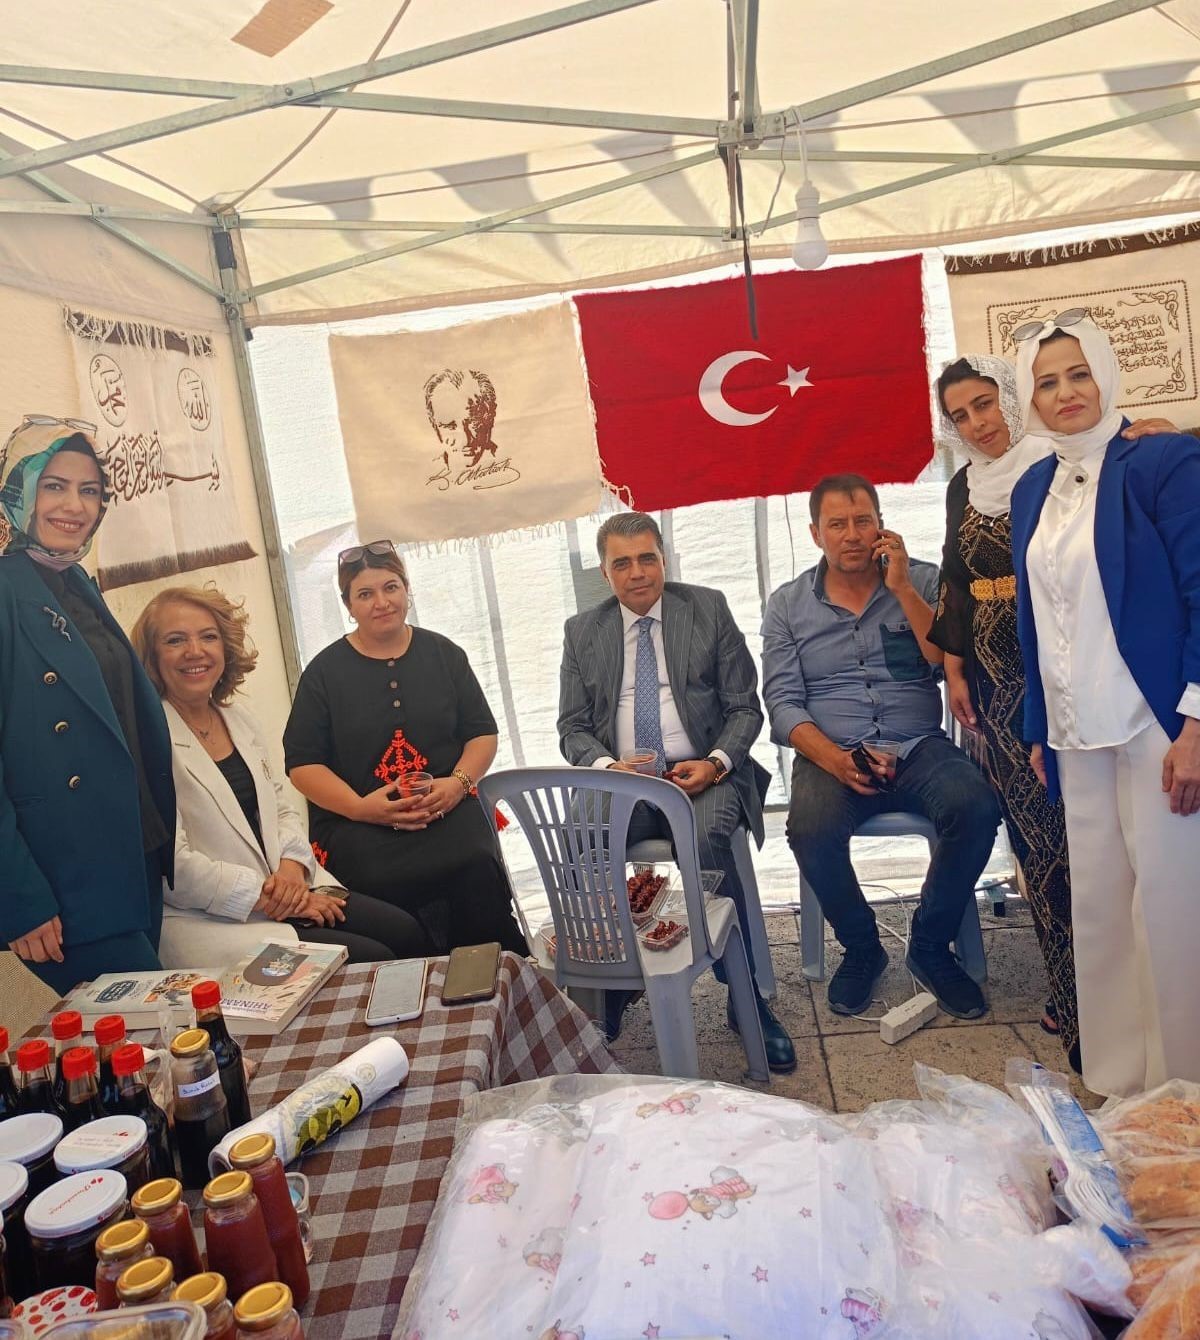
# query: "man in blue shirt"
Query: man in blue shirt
{"points": [[847, 662]]}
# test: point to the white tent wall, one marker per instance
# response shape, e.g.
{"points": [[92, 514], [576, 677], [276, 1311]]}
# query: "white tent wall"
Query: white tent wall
{"points": [[48, 262]]}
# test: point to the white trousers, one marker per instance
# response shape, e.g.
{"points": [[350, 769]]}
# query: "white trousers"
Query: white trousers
{"points": [[1134, 870]]}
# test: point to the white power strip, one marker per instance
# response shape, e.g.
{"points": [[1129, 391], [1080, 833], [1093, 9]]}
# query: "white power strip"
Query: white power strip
{"points": [[897, 1024]]}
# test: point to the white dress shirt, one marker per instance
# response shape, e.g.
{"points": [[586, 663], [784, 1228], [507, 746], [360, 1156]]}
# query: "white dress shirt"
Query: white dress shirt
{"points": [[677, 744], [1092, 699]]}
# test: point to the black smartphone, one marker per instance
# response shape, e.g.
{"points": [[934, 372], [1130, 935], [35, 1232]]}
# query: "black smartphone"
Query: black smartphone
{"points": [[471, 974], [863, 762]]}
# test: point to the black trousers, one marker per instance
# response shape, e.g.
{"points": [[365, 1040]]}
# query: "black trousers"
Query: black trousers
{"points": [[373, 932]]}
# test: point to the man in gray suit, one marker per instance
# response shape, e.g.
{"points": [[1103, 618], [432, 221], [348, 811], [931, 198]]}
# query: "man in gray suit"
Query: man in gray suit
{"points": [[663, 668]]}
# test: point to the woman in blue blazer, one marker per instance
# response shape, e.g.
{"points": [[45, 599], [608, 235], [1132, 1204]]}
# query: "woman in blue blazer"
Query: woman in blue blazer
{"points": [[1106, 541], [87, 803]]}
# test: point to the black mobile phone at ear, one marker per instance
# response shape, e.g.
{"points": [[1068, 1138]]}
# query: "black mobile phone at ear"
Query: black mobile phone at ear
{"points": [[471, 974]]}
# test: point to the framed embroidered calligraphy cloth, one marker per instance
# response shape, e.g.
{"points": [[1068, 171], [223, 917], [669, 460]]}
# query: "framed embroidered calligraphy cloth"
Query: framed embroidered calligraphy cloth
{"points": [[152, 392]]}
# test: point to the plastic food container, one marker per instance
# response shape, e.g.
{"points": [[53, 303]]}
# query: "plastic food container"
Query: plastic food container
{"points": [[158, 1321], [29, 1140], [12, 1329], [64, 1222], [51, 1306], [118, 1143]]}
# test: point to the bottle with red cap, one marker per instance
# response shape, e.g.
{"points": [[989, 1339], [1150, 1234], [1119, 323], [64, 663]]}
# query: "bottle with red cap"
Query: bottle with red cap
{"points": [[8, 1086], [83, 1093], [134, 1100], [206, 997], [110, 1034], [67, 1028], [35, 1088]]}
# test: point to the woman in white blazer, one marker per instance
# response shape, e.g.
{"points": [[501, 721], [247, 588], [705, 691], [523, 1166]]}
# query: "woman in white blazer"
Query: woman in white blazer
{"points": [[244, 868]]}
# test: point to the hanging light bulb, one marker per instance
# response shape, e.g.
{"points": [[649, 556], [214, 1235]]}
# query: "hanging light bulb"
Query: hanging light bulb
{"points": [[810, 250]]}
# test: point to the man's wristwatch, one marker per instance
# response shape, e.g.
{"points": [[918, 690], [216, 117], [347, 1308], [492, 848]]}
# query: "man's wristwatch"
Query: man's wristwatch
{"points": [[722, 770]]}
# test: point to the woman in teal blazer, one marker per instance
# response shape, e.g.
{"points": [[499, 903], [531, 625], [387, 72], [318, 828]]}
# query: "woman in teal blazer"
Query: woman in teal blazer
{"points": [[87, 803]]}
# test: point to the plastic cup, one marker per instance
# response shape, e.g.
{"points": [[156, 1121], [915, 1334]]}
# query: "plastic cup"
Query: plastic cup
{"points": [[887, 754], [641, 760], [412, 784]]}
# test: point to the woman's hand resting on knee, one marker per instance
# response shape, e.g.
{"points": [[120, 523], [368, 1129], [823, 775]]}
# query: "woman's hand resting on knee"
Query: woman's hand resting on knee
{"points": [[40, 945]]}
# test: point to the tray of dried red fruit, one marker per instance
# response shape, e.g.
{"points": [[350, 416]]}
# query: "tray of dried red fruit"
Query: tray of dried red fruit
{"points": [[663, 934], [646, 888]]}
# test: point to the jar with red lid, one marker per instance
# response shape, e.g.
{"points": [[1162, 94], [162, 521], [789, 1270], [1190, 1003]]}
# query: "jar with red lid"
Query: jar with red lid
{"points": [[67, 1030], [236, 1234], [65, 1221], [256, 1155], [207, 1290], [161, 1207], [29, 1139], [111, 1142], [18, 1259], [35, 1087], [146, 1282], [266, 1313], [118, 1248]]}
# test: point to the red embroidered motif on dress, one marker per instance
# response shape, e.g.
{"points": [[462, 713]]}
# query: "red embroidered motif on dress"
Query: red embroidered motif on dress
{"points": [[399, 757], [320, 853]]}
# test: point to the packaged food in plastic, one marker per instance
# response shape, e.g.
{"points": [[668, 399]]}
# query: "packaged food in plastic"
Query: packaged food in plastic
{"points": [[1172, 1309], [159, 1321], [1154, 1141], [1150, 1264]]}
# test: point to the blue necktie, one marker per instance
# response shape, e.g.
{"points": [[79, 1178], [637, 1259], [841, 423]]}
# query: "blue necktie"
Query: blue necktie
{"points": [[647, 719]]}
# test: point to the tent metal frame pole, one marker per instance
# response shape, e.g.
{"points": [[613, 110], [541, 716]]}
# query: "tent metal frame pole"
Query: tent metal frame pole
{"points": [[303, 90], [225, 251], [999, 158], [929, 156], [437, 225], [99, 213], [480, 225], [1078, 22], [43, 183], [403, 104]]}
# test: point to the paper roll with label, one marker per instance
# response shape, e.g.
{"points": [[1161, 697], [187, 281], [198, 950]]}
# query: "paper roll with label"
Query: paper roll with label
{"points": [[323, 1105]]}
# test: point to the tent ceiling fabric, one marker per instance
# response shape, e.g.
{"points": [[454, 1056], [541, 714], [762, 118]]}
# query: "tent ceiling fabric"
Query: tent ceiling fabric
{"points": [[365, 169]]}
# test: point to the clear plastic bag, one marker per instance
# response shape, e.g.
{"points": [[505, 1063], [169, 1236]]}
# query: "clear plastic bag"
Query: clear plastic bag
{"points": [[1172, 1310], [614, 1206], [1154, 1141]]}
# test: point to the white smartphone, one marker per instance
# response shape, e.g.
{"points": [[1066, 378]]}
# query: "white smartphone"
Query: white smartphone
{"points": [[398, 991]]}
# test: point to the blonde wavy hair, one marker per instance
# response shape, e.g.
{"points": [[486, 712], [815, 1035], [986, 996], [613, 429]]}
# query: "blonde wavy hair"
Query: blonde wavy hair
{"points": [[230, 618]]}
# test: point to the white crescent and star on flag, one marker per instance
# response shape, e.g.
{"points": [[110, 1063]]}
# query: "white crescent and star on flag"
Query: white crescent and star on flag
{"points": [[712, 396]]}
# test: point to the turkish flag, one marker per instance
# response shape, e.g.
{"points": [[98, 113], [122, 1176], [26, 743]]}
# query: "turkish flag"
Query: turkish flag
{"points": [[690, 409]]}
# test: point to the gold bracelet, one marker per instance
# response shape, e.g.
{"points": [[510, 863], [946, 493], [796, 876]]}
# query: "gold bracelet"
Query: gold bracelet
{"points": [[467, 784]]}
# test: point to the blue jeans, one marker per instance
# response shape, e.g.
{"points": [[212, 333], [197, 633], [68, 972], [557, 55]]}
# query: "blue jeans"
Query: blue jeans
{"points": [[936, 780]]}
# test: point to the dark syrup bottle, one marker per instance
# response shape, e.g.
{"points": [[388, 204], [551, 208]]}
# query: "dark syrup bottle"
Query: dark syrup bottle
{"points": [[35, 1088], [110, 1034], [8, 1085], [134, 1100], [206, 997], [201, 1111], [83, 1094]]}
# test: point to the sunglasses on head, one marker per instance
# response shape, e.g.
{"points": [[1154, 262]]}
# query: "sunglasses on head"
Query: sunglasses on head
{"points": [[1063, 321], [357, 552]]}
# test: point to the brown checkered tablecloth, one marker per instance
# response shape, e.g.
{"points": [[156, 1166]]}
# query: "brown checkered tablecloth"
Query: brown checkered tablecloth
{"points": [[372, 1187]]}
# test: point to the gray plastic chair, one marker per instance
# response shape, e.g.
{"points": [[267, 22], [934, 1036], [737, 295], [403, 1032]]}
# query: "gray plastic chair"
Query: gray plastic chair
{"points": [[658, 851], [577, 822], [810, 921]]}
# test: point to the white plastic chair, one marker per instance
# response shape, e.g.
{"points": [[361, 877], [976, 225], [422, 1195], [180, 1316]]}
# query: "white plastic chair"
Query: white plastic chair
{"points": [[658, 851], [810, 921], [577, 822]]}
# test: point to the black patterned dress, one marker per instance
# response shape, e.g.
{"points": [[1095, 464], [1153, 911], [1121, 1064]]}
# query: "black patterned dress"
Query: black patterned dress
{"points": [[977, 620]]}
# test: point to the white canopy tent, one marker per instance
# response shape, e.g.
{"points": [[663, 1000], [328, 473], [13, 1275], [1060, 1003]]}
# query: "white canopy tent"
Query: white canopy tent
{"points": [[287, 161]]}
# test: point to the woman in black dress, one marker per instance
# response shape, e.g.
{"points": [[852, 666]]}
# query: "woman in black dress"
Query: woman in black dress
{"points": [[386, 700], [976, 626]]}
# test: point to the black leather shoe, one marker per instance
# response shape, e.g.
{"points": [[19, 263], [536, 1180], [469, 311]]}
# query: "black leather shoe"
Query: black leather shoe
{"points": [[781, 1055]]}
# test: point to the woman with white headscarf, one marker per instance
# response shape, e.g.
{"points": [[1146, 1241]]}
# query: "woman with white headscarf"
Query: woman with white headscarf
{"points": [[976, 626], [1106, 543]]}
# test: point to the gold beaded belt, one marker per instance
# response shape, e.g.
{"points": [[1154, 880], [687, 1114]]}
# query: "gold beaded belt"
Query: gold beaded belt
{"points": [[1003, 588]]}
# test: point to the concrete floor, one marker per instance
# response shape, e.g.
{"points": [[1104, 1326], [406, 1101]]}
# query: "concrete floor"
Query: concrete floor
{"points": [[842, 1063]]}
